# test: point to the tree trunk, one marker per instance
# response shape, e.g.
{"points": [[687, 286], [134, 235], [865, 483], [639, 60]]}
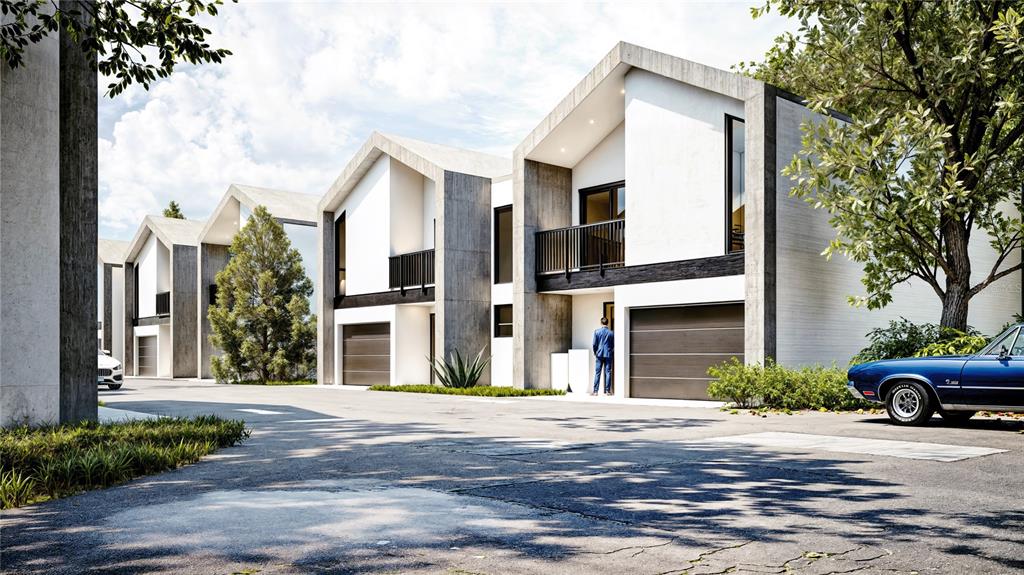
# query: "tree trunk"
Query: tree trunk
{"points": [[958, 281]]}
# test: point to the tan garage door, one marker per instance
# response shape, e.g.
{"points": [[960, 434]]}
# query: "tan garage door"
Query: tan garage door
{"points": [[671, 348], [147, 355], [366, 354]]}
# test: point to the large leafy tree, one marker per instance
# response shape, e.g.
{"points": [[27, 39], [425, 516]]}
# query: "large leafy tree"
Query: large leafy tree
{"points": [[933, 154], [128, 41], [261, 318]]}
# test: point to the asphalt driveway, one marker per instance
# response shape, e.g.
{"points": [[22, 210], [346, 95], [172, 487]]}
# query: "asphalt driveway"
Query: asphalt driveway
{"points": [[342, 481]]}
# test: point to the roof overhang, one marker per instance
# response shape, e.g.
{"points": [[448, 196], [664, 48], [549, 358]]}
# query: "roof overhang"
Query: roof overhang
{"points": [[595, 106], [286, 207]]}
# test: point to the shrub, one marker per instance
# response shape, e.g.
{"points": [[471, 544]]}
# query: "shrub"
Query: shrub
{"points": [[54, 461], [904, 338], [484, 391], [777, 387], [963, 344], [458, 373], [276, 382]]}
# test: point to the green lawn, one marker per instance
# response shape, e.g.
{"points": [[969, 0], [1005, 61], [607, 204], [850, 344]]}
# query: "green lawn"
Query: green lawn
{"points": [[482, 391], [40, 463]]}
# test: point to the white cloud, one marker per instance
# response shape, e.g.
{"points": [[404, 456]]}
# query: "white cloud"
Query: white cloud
{"points": [[309, 81]]}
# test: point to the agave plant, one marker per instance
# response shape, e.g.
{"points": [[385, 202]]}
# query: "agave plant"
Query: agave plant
{"points": [[457, 372]]}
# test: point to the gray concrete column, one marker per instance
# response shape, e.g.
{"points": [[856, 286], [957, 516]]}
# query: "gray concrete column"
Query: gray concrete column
{"points": [[130, 312], [30, 238], [108, 313], [212, 259], [327, 287], [183, 311], [759, 253], [462, 292], [542, 323]]}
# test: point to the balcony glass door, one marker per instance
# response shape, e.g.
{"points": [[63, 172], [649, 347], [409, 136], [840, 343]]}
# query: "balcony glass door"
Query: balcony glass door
{"points": [[603, 203]]}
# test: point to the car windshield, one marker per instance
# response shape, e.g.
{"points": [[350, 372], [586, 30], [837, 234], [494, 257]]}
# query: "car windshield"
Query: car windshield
{"points": [[1004, 339]]}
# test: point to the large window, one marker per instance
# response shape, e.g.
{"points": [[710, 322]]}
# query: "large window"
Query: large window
{"points": [[339, 255], [503, 245], [503, 320], [603, 203], [735, 192]]}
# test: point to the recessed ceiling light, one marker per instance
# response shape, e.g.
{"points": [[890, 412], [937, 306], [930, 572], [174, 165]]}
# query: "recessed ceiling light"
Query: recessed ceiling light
{"points": [[563, 150], [622, 91], [591, 121]]}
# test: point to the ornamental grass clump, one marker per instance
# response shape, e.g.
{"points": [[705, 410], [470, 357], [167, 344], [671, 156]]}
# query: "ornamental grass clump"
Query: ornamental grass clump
{"points": [[43, 463]]}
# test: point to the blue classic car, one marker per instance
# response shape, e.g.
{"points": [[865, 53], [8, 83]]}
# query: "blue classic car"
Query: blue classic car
{"points": [[956, 386]]}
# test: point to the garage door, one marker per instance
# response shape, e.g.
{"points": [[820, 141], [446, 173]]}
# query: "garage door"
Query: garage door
{"points": [[366, 354], [671, 348], [147, 355]]}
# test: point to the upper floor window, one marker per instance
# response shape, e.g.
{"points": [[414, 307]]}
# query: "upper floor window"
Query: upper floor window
{"points": [[735, 187], [339, 255], [503, 320], [503, 245], [603, 203]]}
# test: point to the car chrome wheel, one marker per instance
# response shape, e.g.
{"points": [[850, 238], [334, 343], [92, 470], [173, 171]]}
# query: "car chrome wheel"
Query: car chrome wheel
{"points": [[906, 403]]}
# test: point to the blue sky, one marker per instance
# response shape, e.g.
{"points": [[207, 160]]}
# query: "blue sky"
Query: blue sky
{"points": [[309, 81]]}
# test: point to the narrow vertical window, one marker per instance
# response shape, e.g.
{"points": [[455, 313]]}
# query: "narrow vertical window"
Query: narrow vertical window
{"points": [[735, 188], [503, 320], [339, 255], [503, 245]]}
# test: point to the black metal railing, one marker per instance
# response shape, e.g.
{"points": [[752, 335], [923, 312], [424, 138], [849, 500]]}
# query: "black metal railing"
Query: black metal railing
{"points": [[163, 303], [411, 270], [580, 248]]}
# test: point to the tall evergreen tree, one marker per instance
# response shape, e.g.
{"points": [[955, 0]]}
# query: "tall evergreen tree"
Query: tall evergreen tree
{"points": [[261, 319], [173, 210]]}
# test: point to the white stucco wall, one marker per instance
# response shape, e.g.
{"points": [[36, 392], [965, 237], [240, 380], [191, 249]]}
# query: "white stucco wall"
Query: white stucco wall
{"points": [[406, 209], [304, 239], [675, 169], [501, 294], [605, 164], [587, 310], [147, 265], [30, 237], [367, 233], [815, 322], [411, 345]]}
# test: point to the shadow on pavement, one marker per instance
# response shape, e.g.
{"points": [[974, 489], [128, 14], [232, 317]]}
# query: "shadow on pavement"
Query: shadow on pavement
{"points": [[311, 491]]}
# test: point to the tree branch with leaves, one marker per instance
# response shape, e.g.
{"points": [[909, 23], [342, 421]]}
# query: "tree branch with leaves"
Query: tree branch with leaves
{"points": [[933, 154]]}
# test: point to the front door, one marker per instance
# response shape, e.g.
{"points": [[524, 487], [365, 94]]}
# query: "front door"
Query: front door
{"points": [[994, 378]]}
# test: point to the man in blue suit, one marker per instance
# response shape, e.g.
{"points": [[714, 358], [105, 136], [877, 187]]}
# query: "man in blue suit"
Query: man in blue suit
{"points": [[604, 348]]}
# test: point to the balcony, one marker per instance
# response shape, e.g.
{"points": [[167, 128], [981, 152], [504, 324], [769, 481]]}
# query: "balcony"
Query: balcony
{"points": [[581, 248], [163, 303], [411, 270]]}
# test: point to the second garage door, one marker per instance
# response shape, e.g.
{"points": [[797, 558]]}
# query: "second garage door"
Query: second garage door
{"points": [[671, 348], [366, 354]]}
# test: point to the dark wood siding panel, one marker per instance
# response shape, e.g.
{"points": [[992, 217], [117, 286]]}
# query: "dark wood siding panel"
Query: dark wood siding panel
{"points": [[366, 354], [671, 348]]}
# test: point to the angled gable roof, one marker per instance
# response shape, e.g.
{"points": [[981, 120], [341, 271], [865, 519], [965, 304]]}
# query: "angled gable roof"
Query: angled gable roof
{"points": [[604, 81], [285, 206], [429, 159], [111, 251], [170, 231]]}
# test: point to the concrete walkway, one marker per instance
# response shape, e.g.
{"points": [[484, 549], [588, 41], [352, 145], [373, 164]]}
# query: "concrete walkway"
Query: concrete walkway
{"points": [[369, 482]]}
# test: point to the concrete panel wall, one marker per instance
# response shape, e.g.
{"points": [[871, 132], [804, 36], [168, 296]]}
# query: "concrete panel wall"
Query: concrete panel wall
{"points": [[129, 315], [117, 313], [812, 291], [326, 279], [106, 309], [184, 302], [759, 255], [463, 288], [212, 259], [543, 322], [30, 272]]}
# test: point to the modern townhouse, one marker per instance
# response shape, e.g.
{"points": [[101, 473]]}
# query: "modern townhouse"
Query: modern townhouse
{"points": [[296, 212], [160, 299], [652, 195], [110, 301], [406, 263]]}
